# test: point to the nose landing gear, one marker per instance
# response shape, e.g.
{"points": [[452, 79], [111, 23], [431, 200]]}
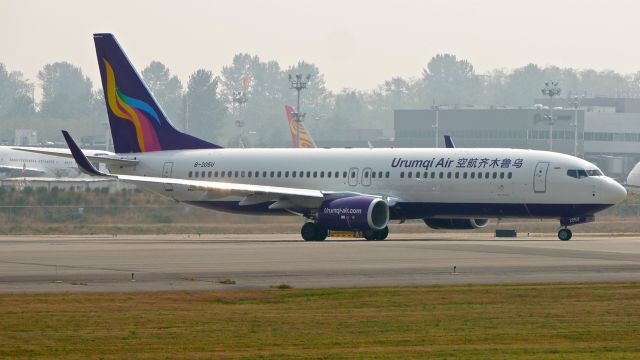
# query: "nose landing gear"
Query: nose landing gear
{"points": [[564, 234]]}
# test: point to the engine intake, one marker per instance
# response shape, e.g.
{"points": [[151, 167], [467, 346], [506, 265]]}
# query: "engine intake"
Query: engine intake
{"points": [[354, 213], [456, 224]]}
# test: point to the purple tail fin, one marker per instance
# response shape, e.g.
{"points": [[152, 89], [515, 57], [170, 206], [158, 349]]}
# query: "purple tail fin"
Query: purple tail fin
{"points": [[448, 142], [137, 121]]}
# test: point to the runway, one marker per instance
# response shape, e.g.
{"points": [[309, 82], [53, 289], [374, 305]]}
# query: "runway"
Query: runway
{"points": [[190, 262]]}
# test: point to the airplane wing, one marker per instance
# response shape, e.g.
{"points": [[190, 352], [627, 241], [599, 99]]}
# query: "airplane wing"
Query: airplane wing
{"points": [[284, 197], [106, 157]]}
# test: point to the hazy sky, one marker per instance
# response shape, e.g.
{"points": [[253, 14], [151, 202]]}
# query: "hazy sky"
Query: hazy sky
{"points": [[356, 44]]}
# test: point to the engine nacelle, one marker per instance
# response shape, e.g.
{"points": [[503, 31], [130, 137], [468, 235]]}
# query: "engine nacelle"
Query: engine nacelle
{"points": [[456, 224], [358, 213]]}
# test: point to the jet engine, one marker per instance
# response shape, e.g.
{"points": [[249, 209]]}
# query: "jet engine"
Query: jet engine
{"points": [[358, 213], [456, 224]]}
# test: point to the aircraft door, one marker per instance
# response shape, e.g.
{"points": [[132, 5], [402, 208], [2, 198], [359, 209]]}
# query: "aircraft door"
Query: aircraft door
{"points": [[353, 176], [540, 177], [366, 176], [166, 172]]}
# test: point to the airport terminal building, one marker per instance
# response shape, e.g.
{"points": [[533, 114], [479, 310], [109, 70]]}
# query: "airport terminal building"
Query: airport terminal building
{"points": [[604, 131]]}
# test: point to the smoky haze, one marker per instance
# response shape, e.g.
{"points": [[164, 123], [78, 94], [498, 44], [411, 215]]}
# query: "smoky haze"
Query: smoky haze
{"points": [[365, 59], [357, 44]]}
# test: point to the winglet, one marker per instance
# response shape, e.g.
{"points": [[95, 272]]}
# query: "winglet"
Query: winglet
{"points": [[83, 163], [448, 142]]}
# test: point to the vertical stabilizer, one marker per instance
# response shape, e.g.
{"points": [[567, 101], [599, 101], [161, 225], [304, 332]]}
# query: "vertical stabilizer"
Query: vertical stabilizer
{"points": [[137, 122]]}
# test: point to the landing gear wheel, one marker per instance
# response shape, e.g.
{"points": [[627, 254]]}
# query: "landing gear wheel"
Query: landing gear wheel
{"points": [[382, 234], [309, 231], [321, 233], [370, 235], [313, 232], [564, 234]]}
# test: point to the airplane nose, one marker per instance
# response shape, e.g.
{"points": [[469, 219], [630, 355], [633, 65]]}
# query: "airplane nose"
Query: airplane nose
{"points": [[615, 192]]}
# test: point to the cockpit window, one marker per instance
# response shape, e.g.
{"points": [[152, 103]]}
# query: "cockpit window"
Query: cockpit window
{"points": [[579, 174]]}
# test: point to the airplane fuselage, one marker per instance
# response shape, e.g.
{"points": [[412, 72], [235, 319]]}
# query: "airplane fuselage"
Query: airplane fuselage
{"points": [[419, 183]]}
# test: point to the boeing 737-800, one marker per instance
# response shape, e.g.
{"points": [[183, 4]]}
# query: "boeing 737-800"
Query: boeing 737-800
{"points": [[339, 189]]}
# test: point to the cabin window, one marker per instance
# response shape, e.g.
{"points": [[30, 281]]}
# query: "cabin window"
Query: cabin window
{"points": [[457, 175], [196, 174], [235, 173], [190, 173], [272, 174], [242, 173], [380, 174], [221, 174], [337, 174], [248, 173], [472, 175], [322, 174], [495, 174], [279, 173], [209, 174], [257, 174], [344, 174], [264, 174], [215, 174], [202, 174], [409, 174], [449, 175], [401, 174], [286, 174], [308, 174], [417, 174], [464, 175], [386, 175], [315, 174], [433, 174], [426, 175], [440, 174], [501, 175], [509, 175], [486, 175], [294, 173], [373, 174]]}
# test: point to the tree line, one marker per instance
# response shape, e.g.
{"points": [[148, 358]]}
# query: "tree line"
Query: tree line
{"points": [[205, 106]]}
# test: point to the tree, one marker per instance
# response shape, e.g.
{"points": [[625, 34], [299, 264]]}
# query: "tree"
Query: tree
{"points": [[15, 94], [166, 89], [205, 110], [66, 92], [448, 80]]}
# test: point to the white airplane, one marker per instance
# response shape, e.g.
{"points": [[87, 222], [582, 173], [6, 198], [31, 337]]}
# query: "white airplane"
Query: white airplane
{"points": [[633, 179], [16, 161], [339, 189]]}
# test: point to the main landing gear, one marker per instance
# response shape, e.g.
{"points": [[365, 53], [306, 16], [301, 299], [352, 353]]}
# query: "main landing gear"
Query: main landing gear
{"points": [[564, 234], [377, 234], [313, 232]]}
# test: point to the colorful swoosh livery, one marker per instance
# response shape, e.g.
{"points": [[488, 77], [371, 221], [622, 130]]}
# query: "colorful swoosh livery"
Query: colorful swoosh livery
{"points": [[306, 141], [131, 109]]}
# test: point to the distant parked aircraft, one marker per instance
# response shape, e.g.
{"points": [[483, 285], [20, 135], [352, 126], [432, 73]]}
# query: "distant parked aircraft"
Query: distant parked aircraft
{"points": [[306, 141], [14, 162]]}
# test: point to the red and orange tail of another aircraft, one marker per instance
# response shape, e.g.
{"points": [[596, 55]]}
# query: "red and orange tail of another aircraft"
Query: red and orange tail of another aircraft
{"points": [[306, 141]]}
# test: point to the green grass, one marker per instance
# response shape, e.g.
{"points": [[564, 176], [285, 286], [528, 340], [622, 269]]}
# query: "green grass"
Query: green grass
{"points": [[577, 321]]}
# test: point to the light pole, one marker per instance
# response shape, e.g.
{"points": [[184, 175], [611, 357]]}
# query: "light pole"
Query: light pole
{"points": [[550, 89], [239, 97], [437, 124], [576, 105], [298, 83]]}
